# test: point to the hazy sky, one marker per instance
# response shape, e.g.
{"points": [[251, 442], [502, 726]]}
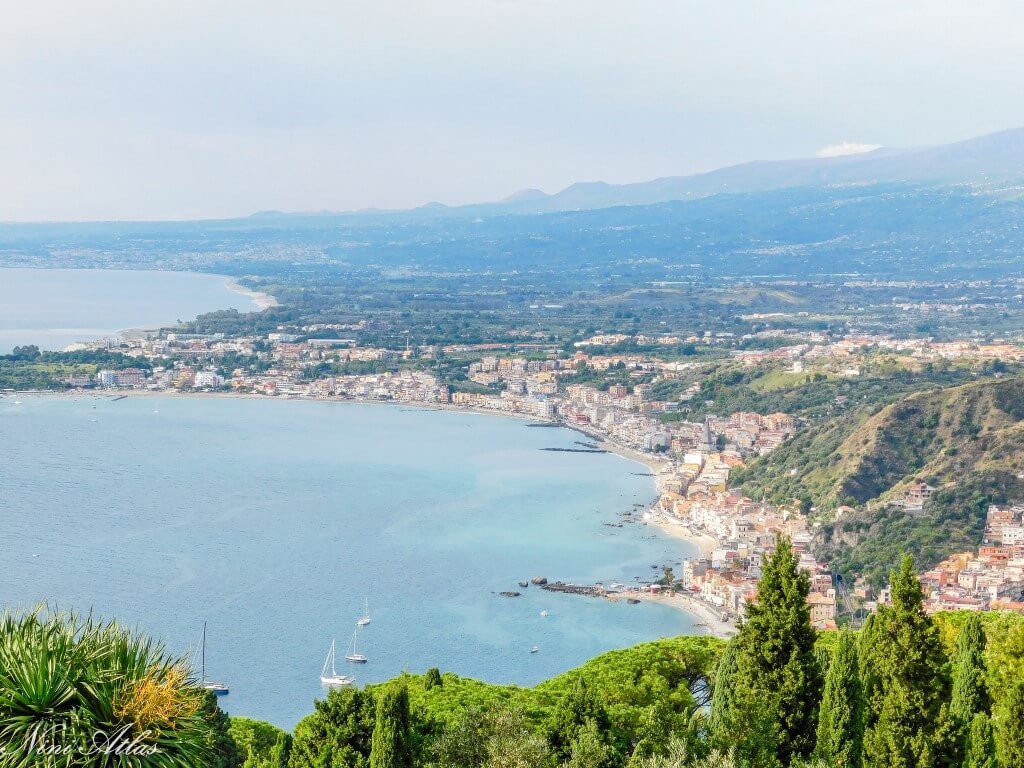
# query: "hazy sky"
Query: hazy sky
{"points": [[182, 109]]}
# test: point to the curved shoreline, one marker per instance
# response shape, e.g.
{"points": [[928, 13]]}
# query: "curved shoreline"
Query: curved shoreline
{"points": [[655, 464], [260, 299]]}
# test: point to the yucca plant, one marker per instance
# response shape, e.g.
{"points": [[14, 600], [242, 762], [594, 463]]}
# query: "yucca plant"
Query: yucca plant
{"points": [[79, 692]]}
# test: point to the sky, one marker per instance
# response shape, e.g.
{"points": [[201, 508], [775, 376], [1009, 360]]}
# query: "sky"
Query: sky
{"points": [[182, 109]]}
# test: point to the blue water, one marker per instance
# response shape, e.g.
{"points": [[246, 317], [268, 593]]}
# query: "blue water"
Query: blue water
{"points": [[274, 520], [52, 308]]}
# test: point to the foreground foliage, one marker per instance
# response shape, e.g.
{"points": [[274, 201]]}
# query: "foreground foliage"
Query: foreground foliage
{"points": [[77, 692]]}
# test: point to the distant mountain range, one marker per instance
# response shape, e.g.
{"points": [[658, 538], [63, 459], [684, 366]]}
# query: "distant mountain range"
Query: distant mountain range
{"points": [[995, 158]]}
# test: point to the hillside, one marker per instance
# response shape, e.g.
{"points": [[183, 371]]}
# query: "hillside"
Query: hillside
{"points": [[966, 441]]}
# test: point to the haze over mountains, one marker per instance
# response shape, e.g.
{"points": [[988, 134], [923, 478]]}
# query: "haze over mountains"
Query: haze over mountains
{"points": [[993, 158]]}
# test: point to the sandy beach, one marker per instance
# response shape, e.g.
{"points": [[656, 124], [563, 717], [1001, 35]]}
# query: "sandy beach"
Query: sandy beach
{"points": [[714, 623], [262, 300]]}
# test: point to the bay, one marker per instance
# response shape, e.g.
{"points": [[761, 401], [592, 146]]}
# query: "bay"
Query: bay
{"points": [[53, 308], [275, 520]]}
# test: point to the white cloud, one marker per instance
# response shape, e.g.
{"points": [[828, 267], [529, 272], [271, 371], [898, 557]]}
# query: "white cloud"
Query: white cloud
{"points": [[846, 148]]}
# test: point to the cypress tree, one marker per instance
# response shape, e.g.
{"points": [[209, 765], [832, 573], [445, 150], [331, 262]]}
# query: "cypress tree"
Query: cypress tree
{"points": [[907, 704], [391, 745], [869, 684], [720, 719], [778, 681], [841, 719], [980, 749], [970, 695]]}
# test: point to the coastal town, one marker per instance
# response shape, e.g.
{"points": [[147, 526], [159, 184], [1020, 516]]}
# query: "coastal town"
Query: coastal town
{"points": [[691, 460]]}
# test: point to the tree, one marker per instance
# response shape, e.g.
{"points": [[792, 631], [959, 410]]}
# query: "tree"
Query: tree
{"points": [[221, 751], [338, 733], [573, 711], [869, 682], [778, 680], [260, 745], [841, 719], [588, 749], [512, 744], [391, 745], [720, 719], [970, 694], [432, 679], [980, 748], [911, 668], [1009, 722]]}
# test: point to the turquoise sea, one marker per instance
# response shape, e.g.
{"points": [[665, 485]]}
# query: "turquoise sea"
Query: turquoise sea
{"points": [[52, 308], [274, 520]]}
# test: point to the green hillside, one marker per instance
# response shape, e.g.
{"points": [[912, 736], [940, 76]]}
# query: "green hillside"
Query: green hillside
{"points": [[966, 441]]}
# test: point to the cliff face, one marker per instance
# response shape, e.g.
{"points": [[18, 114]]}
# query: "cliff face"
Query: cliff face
{"points": [[967, 442]]}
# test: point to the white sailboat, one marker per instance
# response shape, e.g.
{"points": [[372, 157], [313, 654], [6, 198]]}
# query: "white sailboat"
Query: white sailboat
{"points": [[353, 655], [365, 618], [219, 689], [329, 675]]}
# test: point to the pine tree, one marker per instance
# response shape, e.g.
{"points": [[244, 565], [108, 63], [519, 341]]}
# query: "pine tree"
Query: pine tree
{"points": [[778, 681], [970, 695], [572, 713], [841, 719], [432, 679], [391, 746], [980, 749], [907, 657]]}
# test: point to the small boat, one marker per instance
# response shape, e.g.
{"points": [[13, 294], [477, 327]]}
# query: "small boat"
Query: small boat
{"points": [[524, 584], [365, 618], [218, 689], [329, 675], [534, 649], [544, 614], [17, 402], [354, 656]]}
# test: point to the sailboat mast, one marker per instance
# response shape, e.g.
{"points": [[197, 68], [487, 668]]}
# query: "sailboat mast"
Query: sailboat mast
{"points": [[203, 652]]}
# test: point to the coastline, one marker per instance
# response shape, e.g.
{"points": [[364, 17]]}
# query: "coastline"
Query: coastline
{"points": [[715, 625], [656, 465], [260, 299]]}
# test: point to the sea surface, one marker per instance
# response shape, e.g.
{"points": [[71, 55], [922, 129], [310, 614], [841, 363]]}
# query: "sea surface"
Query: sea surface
{"points": [[274, 520], [52, 308]]}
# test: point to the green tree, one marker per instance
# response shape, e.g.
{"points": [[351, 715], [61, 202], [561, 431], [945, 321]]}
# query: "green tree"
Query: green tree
{"points": [[970, 694], [588, 749], [841, 719], [980, 748], [512, 743], [778, 680], [260, 745], [432, 679], [221, 750], [573, 711], [391, 745], [720, 719], [1009, 725], [869, 683], [338, 734], [911, 669]]}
